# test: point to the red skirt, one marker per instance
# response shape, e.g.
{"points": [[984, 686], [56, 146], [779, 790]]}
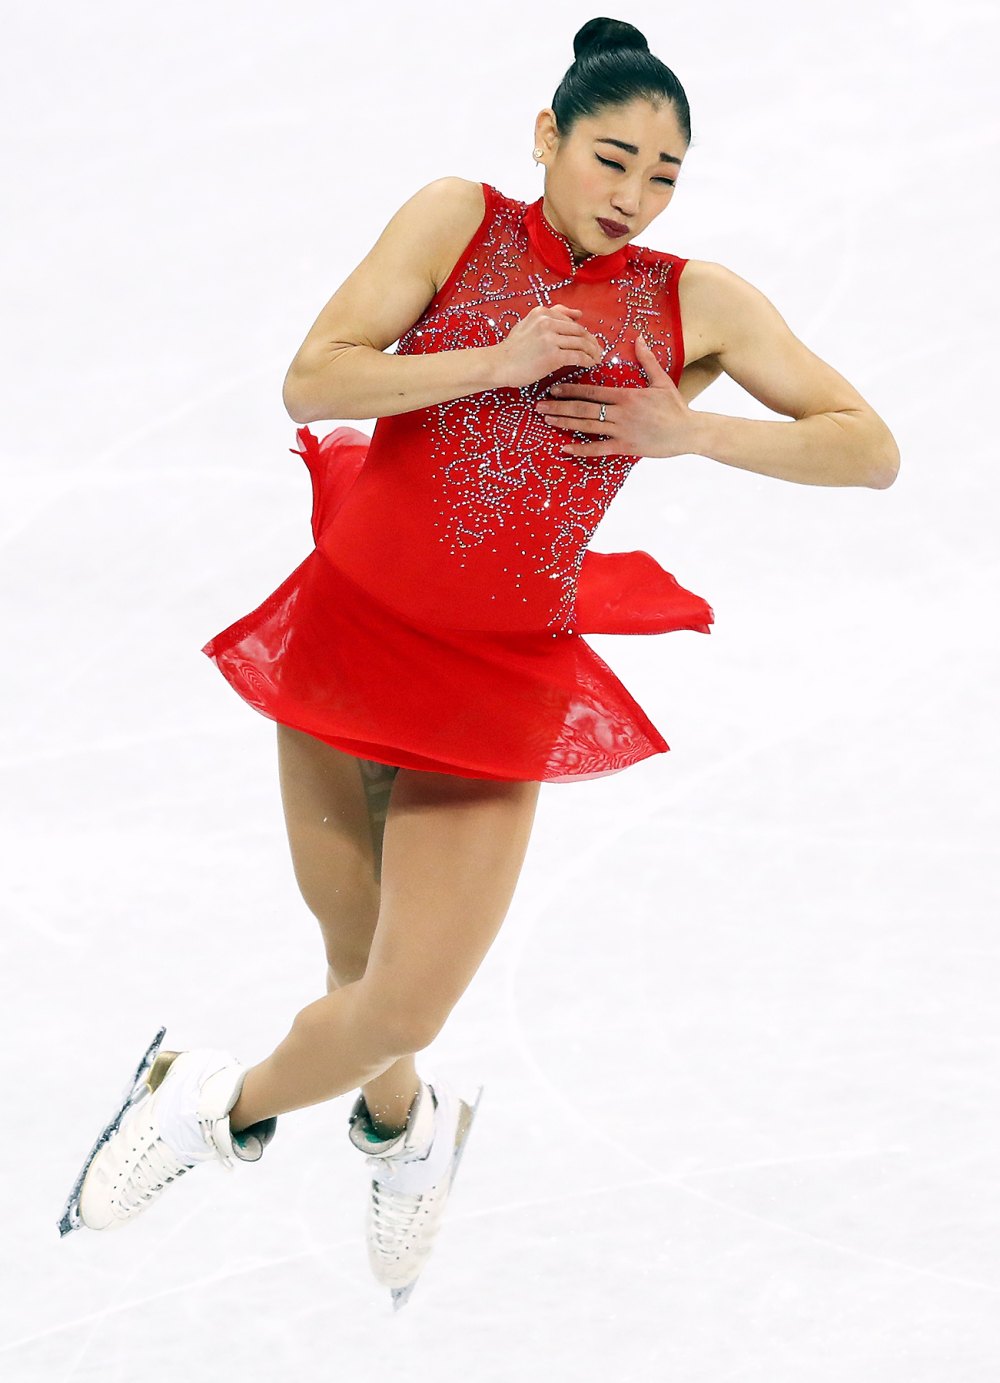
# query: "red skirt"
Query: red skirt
{"points": [[321, 654]]}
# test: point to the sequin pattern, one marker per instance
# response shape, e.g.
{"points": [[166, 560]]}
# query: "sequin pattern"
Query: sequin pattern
{"points": [[439, 623], [501, 484], [490, 519]]}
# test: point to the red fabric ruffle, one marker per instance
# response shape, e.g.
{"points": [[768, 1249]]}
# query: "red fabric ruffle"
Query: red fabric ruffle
{"points": [[326, 656], [618, 592]]}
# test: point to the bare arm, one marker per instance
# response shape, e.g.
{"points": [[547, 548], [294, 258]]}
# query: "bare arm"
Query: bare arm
{"points": [[836, 438], [341, 369], [697, 376]]}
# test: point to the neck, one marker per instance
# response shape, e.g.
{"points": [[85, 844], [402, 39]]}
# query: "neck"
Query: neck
{"points": [[578, 256]]}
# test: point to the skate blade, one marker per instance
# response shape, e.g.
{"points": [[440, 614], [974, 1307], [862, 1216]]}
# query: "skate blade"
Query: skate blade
{"points": [[401, 1295], [153, 1067]]}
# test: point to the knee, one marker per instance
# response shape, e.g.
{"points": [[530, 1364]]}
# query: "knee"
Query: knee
{"points": [[340, 891], [347, 920], [405, 1022], [378, 1034], [344, 966]]}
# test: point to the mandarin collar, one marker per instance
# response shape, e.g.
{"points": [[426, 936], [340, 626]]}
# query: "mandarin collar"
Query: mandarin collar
{"points": [[557, 252]]}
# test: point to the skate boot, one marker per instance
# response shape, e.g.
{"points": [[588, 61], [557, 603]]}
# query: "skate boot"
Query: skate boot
{"points": [[412, 1175], [174, 1115]]}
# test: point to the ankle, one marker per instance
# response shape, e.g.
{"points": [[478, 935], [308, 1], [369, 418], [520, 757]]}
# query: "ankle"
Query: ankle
{"points": [[242, 1115], [389, 1116]]}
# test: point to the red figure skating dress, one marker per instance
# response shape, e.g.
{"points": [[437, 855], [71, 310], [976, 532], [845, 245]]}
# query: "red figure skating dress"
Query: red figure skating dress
{"points": [[437, 622]]}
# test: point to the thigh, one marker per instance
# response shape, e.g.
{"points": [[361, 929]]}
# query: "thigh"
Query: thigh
{"points": [[377, 780], [330, 835], [452, 855]]}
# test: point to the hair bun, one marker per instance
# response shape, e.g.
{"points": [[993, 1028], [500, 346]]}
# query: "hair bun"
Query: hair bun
{"points": [[598, 35]]}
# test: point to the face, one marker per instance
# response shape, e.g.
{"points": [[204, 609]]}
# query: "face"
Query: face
{"points": [[587, 177]]}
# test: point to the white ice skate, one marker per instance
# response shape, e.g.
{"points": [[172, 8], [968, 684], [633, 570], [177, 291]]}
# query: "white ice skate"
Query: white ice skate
{"points": [[412, 1176], [174, 1115]]}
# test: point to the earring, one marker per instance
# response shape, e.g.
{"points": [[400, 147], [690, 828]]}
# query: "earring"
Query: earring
{"points": [[537, 154]]}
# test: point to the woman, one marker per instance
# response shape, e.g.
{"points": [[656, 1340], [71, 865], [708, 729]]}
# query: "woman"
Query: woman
{"points": [[425, 664]]}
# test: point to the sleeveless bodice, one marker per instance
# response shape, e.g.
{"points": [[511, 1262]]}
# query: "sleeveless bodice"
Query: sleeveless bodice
{"points": [[438, 624], [466, 514]]}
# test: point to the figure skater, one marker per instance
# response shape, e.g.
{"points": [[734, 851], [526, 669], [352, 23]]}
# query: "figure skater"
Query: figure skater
{"points": [[425, 664]]}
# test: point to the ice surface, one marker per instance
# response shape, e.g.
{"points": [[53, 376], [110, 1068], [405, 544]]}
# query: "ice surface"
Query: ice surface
{"points": [[738, 1034]]}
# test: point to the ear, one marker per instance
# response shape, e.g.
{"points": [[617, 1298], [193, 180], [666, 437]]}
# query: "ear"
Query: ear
{"points": [[546, 129]]}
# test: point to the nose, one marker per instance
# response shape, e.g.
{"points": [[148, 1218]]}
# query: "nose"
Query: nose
{"points": [[626, 200]]}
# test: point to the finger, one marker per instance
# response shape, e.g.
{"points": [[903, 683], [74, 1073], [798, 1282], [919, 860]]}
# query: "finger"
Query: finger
{"points": [[584, 352], [570, 411], [651, 367], [563, 324], [588, 449], [580, 342], [571, 358], [597, 393], [567, 328], [592, 426]]}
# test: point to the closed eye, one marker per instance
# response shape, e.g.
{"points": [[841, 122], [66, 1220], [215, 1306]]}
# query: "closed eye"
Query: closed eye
{"points": [[610, 163]]}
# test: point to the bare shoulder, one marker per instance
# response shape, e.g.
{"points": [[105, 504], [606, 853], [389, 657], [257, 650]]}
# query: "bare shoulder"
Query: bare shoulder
{"points": [[453, 209], [714, 301], [745, 334], [450, 196], [399, 276]]}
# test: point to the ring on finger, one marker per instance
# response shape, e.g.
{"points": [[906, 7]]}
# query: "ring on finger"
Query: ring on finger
{"points": [[603, 413]]}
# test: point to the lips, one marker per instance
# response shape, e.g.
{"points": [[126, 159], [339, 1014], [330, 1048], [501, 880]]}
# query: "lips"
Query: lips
{"points": [[613, 227]]}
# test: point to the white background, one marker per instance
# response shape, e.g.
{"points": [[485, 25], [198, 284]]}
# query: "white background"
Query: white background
{"points": [[738, 1034]]}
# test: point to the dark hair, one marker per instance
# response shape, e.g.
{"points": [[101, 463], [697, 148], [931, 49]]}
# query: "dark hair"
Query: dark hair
{"points": [[613, 65]]}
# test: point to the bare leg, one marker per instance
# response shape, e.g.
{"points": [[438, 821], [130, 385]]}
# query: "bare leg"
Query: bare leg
{"points": [[335, 810], [389, 1096], [453, 850]]}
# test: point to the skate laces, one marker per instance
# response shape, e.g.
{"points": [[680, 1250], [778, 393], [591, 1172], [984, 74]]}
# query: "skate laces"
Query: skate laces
{"points": [[152, 1163], [399, 1190], [153, 1169], [393, 1215]]}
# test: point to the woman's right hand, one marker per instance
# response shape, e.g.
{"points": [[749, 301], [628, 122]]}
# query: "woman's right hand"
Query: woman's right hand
{"points": [[547, 339]]}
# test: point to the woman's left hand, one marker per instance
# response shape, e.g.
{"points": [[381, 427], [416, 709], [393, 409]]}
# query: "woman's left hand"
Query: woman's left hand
{"points": [[654, 421]]}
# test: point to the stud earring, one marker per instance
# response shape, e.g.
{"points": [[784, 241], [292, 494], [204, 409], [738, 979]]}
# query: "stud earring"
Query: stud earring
{"points": [[537, 154]]}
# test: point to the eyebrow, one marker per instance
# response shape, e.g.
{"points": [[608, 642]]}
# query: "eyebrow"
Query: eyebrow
{"points": [[634, 149]]}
